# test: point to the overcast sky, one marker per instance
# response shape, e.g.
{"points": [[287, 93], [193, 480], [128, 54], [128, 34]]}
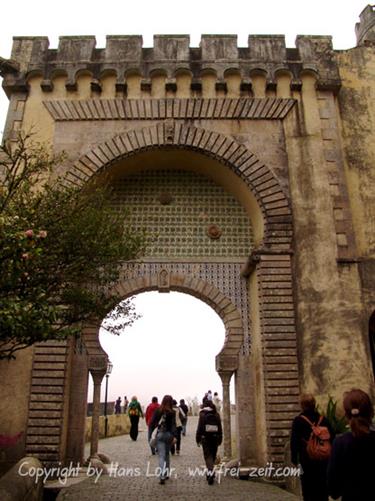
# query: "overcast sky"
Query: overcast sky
{"points": [[172, 349]]}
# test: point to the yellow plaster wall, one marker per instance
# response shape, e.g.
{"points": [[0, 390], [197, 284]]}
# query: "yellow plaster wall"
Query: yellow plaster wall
{"points": [[36, 117], [357, 107], [118, 424], [14, 397], [332, 345]]}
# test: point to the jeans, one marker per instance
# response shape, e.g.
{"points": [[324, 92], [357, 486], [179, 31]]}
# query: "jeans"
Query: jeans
{"points": [[184, 428], [164, 440]]}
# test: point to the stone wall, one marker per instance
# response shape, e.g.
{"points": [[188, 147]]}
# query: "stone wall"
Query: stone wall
{"points": [[118, 424]]}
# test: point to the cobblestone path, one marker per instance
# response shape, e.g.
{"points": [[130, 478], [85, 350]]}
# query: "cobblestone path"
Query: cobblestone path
{"points": [[133, 466]]}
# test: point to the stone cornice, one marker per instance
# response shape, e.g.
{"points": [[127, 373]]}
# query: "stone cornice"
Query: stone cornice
{"points": [[156, 109]]}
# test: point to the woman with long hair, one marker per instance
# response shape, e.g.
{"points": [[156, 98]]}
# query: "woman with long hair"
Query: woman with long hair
{"points": [[351, 465], [314, 471], [164, 419]]}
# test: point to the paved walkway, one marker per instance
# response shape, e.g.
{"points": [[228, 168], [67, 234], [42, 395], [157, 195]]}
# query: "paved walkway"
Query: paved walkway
{"points": [[132, 479]]}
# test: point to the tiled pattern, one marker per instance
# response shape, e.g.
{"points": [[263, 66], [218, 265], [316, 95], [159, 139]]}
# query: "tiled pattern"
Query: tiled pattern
{"points": [[180, 228]]}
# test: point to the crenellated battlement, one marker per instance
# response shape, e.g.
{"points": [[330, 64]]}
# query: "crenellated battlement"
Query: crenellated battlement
{"points": [[170, 57], [365, 29]]}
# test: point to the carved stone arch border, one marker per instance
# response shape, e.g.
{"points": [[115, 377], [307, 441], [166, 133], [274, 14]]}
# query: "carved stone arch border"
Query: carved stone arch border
{"points": [[265, 187], [165, 281]]}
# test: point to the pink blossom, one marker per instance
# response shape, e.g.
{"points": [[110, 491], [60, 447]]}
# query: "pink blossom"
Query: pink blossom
{"points": [[29, 233], [42, 234], [25, 255]]}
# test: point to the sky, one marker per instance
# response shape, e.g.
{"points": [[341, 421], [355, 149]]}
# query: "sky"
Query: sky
{"points": [[170, 350], [161, 354]]}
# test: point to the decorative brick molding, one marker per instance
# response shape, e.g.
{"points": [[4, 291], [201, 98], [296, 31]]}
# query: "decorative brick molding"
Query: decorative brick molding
{"points": [[156, 109], [279, 349], [262, 182], [44, 437]]}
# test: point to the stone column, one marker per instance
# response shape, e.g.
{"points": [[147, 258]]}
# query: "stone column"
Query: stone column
{"points": [[97, 376], [225, 379]]}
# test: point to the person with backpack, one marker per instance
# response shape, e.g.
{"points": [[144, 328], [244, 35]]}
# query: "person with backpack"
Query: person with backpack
{"points": [[134, 412], [310, 445], [351, 465], [164, 419], [184, 415], [210, 435]]}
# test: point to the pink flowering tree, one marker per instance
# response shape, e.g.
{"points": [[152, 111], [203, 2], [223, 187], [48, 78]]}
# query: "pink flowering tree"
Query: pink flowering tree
{"points": [[60, 249]]}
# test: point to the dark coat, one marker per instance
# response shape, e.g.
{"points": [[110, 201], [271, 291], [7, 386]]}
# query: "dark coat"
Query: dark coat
{"points": [[314, 473], [170, 421], [351, 467], [214, 417]]}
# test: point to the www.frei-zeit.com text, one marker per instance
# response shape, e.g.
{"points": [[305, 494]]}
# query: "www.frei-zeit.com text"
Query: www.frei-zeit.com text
{"points": [[63, 473]]}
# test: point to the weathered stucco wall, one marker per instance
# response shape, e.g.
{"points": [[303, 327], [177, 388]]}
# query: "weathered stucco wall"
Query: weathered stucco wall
{"points": [[332, 343], [117, 424], [14, 397], [357, 108]]}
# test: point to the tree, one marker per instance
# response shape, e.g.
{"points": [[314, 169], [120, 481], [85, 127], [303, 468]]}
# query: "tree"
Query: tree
{"points": [[61, 248]]}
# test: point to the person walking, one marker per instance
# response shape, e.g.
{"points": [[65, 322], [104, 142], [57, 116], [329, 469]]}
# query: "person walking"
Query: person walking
{"points": [[314, 471], [118, 406], [351, 465], [216, 400], [151, 408], [210, 434], [164, 419], [175, 448], [126, 403], [185, 410], [134, 413]]}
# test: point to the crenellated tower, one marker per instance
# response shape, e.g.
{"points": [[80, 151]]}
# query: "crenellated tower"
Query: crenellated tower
{"points": [[365, 29]]}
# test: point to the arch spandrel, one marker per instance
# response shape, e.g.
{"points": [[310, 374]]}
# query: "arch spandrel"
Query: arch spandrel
{"points": [[269, 197]]}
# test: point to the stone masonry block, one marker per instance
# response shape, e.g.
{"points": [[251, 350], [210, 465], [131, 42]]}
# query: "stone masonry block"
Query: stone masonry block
{"points": [[219, 47], [270, 48], [123, 48], [29, 51], [72, 49], [175, 47], [308, 46]]}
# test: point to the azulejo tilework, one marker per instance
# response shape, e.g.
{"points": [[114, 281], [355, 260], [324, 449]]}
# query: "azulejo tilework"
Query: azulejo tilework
{"points": [[179, 229]]}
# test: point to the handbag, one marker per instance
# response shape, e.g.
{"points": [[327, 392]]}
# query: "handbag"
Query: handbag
{"points": [[153, 438]]}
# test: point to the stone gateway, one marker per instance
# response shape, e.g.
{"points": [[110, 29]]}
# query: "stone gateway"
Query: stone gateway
{"points": [[252, 171]]}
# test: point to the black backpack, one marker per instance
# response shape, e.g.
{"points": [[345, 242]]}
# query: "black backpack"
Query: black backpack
{"points": [[211, 424]]}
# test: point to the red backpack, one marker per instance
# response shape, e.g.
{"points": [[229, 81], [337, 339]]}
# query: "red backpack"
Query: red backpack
{"points": [[318, 446]]}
